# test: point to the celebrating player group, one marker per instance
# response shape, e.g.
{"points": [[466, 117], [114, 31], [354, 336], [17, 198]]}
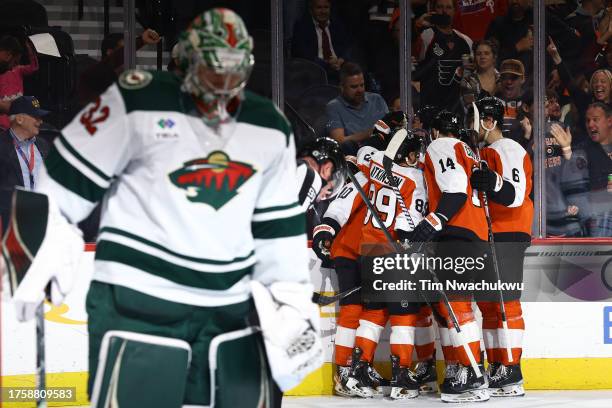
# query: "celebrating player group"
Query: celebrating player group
{"points": [[459, 190]]}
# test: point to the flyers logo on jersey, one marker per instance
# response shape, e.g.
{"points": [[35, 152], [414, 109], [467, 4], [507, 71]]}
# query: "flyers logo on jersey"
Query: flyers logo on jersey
{"points": [[214, 180]]}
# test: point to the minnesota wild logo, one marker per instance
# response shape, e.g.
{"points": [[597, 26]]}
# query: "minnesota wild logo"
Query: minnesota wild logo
{"points": [[214, 180]]}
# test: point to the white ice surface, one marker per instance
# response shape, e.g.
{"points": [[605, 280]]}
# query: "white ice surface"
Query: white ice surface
{"points": [[533, 399]]}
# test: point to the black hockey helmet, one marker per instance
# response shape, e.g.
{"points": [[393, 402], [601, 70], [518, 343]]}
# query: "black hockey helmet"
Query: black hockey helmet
{"points": [[324, 149], [492, 107], [426, 115], [447, 122]]}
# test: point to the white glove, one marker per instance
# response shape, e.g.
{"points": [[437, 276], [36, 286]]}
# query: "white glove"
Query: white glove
{"points": [[55, 262], [290, 325]]}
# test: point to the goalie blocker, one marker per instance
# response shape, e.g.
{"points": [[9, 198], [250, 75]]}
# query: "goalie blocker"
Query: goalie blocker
{"points": [[42, 243]]}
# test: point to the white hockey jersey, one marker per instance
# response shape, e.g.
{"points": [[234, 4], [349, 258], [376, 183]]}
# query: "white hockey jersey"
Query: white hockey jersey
{"points": [[309, 184], [188, 215], [411, 186]]}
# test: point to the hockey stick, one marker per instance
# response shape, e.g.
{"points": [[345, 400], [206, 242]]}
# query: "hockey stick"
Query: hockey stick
{"points": [[390, 153], [40, 356], [323, 300], [502, 306], [485, 204]]}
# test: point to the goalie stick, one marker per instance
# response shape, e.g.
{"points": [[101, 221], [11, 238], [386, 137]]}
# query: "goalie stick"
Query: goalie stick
{"points": [[390, 153], [16, 258]]}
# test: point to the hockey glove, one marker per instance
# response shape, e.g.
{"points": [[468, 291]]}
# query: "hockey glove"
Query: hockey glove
{"points": [[290, 326], [486, 180], [428, 228], [322, 238]]}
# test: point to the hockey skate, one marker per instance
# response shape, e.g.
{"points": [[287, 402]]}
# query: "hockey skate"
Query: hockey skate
{"points": [[361, 381], [384, 385], [507, 381], [426, 376], [449, 373], [404, 384], [340, 378], [465, 386]]}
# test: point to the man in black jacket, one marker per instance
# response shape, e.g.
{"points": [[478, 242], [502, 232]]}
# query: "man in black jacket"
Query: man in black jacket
{"points": [[321, 38], [21, 152]]}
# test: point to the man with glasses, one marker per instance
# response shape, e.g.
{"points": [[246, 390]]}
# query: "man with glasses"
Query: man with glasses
{"points": [[512, 78]]}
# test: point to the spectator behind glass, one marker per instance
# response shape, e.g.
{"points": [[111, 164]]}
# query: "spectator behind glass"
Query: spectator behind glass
{"points": [[11, 73], [513, 32], [100, 76], [439, 51], [352, 114], [598, 89], [566, 173], [21, 152], [321, 38], [512, 78], [580, 50], [474, 17], [599, 156], [484, 79]]}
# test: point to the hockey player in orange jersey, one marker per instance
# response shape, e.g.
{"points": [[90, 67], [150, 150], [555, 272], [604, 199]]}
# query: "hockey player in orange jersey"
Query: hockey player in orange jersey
{"points": [[408, 179], [337, 238], [457, 223], [505, 177]]}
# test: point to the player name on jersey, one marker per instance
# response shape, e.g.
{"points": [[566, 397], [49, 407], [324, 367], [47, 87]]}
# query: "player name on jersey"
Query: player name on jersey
{"points": [[378, 173]]}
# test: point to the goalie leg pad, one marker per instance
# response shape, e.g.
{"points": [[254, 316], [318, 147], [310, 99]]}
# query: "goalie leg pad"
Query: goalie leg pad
{"points": [[140, 370], [238, 361]]}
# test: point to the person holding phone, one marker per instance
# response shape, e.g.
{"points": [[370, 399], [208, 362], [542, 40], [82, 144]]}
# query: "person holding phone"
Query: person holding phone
{"points": [[439, 51]]}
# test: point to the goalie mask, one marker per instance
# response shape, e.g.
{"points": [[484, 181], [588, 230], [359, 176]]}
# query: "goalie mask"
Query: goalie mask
{"points": [[324, 150], [215, 53]]}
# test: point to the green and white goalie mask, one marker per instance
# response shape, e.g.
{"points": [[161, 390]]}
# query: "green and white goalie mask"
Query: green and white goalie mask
{"points": [[215, 53]]}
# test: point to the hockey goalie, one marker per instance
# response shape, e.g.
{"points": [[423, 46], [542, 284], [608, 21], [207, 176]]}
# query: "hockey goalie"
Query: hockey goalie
{"points": [[201, 293]]}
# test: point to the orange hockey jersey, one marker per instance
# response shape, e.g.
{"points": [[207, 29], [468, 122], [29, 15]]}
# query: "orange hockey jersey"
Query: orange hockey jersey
{"points": [[348, 210], [448, 166], [411, 185], [508, 159]]}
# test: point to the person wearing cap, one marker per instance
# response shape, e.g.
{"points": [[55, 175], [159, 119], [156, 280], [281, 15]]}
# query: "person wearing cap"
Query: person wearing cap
{"points": [[21, 152], [512, 78]]}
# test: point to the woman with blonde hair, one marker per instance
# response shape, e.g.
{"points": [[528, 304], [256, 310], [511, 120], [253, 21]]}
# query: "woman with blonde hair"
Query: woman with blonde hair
{"points": [[600, 85]]}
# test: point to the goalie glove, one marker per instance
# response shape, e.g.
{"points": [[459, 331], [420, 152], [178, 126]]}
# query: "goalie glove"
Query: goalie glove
{"points": [[486, 180], [428, 227], [40, 249], [322, 239], [289, 322]]}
